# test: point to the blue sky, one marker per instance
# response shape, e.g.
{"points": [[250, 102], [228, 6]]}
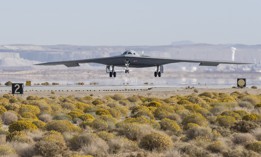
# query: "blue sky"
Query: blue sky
{"points": [[129, 22]]}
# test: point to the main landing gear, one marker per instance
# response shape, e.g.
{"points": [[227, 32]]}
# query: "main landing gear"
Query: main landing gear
{"points": [[112, 74], [158, 71], [110, 70]]}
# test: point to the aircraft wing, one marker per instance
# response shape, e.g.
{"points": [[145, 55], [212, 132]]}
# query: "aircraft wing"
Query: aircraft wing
{"points": [[138, 61], [162, 61], [74, 63]]}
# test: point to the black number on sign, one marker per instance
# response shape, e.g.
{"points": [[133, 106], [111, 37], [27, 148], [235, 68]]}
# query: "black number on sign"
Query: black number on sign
{"points": [[17, 88]]}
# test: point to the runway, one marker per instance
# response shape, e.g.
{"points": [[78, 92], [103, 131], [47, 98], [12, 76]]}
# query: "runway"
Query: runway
{"points": [[148, 90]]}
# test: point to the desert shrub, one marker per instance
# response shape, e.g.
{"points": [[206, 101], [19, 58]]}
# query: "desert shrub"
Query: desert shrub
{"points": [[133, 131], [121, 145], [195, 118], [91, 109], [231, 114], [223, 97], [28, 115], [22, 125], [81, 106], [89, 144], [43, 106], [243, 138], [154, 104], [225, 132], [56, 108], [19, 136], [39, 124], [106, 136], [244, 126], [61, 126], [6, 150], [217, 109], [195, 99], [240, 152], [97, 102], [2, 110], [109, 120], [32, 97], [62, 117], [256, 146], [124, 102], [217, 147], [124, 110], [196, 132], [241, 113], [9, 117], [68, 105], [258, 105], [29, 109], [99, 124], [87, 98], [252, 117], [190, 126], [251, 98], [75, 114], [194, 151], [197, 108], [254, 87], [118, 97], [13, 100], [79, 155], [206, 94], [167, 124], [156, 141], [23, 149], [163, 112], [102, 112], [257, 133], [246, 104], [87, 117], [183, 102], [226, 121], [115, 112], [45, 117], [143, 120], [52, 144], [133, 99], [142, 111]]}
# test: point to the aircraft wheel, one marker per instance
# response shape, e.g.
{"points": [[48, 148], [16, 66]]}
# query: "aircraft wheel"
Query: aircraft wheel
{"points": [[110, 74], [159, 74], [155, 74], [114, 74]]}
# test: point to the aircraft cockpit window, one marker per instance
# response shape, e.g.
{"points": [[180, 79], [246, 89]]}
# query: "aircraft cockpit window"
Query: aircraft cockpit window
{"points": [[129, 53]]}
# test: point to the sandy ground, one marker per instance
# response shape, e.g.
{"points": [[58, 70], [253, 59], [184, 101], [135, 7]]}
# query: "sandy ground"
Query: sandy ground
{"points": [[160, 92]]}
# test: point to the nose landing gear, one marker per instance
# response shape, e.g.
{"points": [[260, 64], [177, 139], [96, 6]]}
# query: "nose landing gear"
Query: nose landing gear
{"points": [[127, 64]]}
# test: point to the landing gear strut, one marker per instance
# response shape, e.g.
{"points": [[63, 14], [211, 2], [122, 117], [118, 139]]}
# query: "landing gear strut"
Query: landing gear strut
{"points": [[127, 64]]}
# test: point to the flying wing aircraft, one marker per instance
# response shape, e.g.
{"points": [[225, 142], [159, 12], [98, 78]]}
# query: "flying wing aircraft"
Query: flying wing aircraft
{"points": [[131, 58]]}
